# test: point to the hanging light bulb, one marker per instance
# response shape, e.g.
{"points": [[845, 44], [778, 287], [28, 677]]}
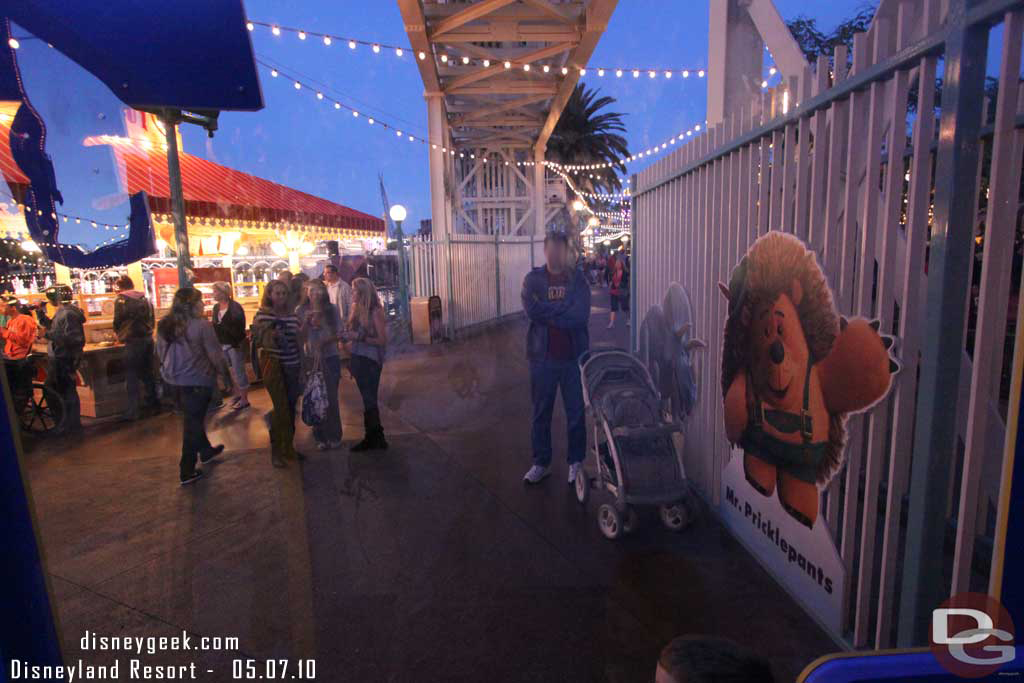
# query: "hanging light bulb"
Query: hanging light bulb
{"points": [[355, 114], [422, 55], [526, 67], [319, 95], [618, 73], [465, 59], [508, 64], [547, 68], [444, 58], [583, 72], [651, 74], [298, 86], [398, 52], [351, 44], [370, 121], [302, 35], [376, 48], [600, 72], [275, 30], [249, 25], [771, 71], [700, 74], [337, 105], [668, 74], [327, 40], [487, 62]]}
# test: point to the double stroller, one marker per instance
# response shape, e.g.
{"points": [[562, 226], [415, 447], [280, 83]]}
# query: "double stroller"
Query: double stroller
{"points": [[634, 446]]}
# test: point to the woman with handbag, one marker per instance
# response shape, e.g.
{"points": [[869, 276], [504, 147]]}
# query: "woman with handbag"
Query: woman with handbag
{"points": [[229, 324], [321, 329], [191, 360], [366, 339], [275, 330]]}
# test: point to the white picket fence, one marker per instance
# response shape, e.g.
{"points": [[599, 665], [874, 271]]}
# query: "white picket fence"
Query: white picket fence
{"points": [[479, 278], [836, 158]]}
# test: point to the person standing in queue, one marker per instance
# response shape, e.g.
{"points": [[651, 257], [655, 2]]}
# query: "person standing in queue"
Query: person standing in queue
{"points": [[321, 328], [339, 291], [366, 339], [619, 292], [133, 325], [229, 324], [191, 360], [275, 330], [556, 299], [19, 333], [65, 332]]}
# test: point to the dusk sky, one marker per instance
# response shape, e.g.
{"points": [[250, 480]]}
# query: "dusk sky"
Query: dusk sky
{"points": [[299, 141]]}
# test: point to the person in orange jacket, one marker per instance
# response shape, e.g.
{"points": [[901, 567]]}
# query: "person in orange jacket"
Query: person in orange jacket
{"points": [[20, 332]]}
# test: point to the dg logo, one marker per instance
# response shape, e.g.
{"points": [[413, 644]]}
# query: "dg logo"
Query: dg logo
{"points": [[972, 635]]}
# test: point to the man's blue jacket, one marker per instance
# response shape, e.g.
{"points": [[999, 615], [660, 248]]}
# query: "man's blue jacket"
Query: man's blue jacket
{"points": [[571, 313]]}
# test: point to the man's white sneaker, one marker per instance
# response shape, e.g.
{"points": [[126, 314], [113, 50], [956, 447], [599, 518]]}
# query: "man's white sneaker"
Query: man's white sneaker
{"points": [[573, 471], [535, 475]]}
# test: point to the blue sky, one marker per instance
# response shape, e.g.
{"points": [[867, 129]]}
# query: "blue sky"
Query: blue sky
{"points": [[307, 144]]}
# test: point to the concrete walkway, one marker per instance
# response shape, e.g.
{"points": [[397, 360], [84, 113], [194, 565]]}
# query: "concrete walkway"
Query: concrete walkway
{"points": [[430, 562]]}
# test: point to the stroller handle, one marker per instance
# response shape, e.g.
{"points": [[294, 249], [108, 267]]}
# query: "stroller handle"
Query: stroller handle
{"points": [[586, 355]]}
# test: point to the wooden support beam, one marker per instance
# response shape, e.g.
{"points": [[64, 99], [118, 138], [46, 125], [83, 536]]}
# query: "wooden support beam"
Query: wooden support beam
{"points": [[516, 87], [470, 13], [599, 12], [494, 69], [416, 29]]}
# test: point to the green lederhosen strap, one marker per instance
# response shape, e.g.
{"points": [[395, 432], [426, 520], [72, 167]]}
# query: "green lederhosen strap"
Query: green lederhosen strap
{"points": [[802, 460]]}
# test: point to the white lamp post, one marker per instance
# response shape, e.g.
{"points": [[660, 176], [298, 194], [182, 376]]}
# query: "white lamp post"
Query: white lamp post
{"points": [[398, 214]]}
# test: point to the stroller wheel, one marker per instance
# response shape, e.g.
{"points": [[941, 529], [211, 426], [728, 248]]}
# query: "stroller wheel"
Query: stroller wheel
{"points": [[631, 520], [610, 521], [675, 517], [582, 486]]}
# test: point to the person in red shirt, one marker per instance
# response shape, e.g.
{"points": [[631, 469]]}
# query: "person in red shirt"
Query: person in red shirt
{"points": [[619, 291], [556, 299], [20, 332]]}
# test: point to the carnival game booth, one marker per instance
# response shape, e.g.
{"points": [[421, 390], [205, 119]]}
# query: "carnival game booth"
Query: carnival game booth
{"points": [[242, 229]]}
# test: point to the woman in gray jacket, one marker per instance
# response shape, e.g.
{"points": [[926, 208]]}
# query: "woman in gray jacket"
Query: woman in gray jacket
{"points": [[191, 360]]}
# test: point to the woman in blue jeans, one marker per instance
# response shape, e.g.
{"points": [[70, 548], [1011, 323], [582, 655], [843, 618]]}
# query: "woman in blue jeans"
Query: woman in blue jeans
{"points": [[366, 339], [191, 360], [321, 329]]}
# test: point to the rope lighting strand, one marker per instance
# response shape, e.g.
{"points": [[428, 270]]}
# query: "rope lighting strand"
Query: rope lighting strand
{"points": [[401, 51]]}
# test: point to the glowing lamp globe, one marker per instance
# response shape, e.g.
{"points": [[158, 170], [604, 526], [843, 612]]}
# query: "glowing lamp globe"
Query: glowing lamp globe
{"points": [[593, 221], [29, 245], [577, 205], [397, 213]]}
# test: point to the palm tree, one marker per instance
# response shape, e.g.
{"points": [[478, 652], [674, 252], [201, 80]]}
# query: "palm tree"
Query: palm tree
{"points": [[585, 136]]}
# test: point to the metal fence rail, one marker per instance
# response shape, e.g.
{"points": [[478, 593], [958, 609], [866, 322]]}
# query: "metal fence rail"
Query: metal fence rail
{"points": [[477, 277], [857, 165]]}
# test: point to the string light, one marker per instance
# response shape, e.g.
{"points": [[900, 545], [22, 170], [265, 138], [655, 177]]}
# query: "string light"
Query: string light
{"points": [[400, 50], [575, 168]]}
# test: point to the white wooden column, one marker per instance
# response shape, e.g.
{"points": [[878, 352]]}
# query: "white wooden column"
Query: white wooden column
{"points": [[538, 190], [438, 139]]}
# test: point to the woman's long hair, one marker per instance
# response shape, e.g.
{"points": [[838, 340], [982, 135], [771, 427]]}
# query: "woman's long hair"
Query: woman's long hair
{"points": [[183, 309], [318, 290], [364, 301]]}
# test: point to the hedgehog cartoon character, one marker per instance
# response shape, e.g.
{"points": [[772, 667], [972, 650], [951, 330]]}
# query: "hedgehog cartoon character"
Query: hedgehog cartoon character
{"points": [[793, 370]]}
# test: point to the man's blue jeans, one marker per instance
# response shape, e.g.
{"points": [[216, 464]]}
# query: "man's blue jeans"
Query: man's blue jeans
{"points": [[545, 379]]}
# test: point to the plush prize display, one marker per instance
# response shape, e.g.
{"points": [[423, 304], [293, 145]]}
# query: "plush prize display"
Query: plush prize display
{"points": [[792, 370]]}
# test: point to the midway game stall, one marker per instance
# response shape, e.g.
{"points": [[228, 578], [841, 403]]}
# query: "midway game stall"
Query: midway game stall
{"points": [[242, 229]]}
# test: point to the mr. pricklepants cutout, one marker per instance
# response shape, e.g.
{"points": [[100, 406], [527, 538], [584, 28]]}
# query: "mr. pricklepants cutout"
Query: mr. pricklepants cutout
{"points": [[792, 370]]}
